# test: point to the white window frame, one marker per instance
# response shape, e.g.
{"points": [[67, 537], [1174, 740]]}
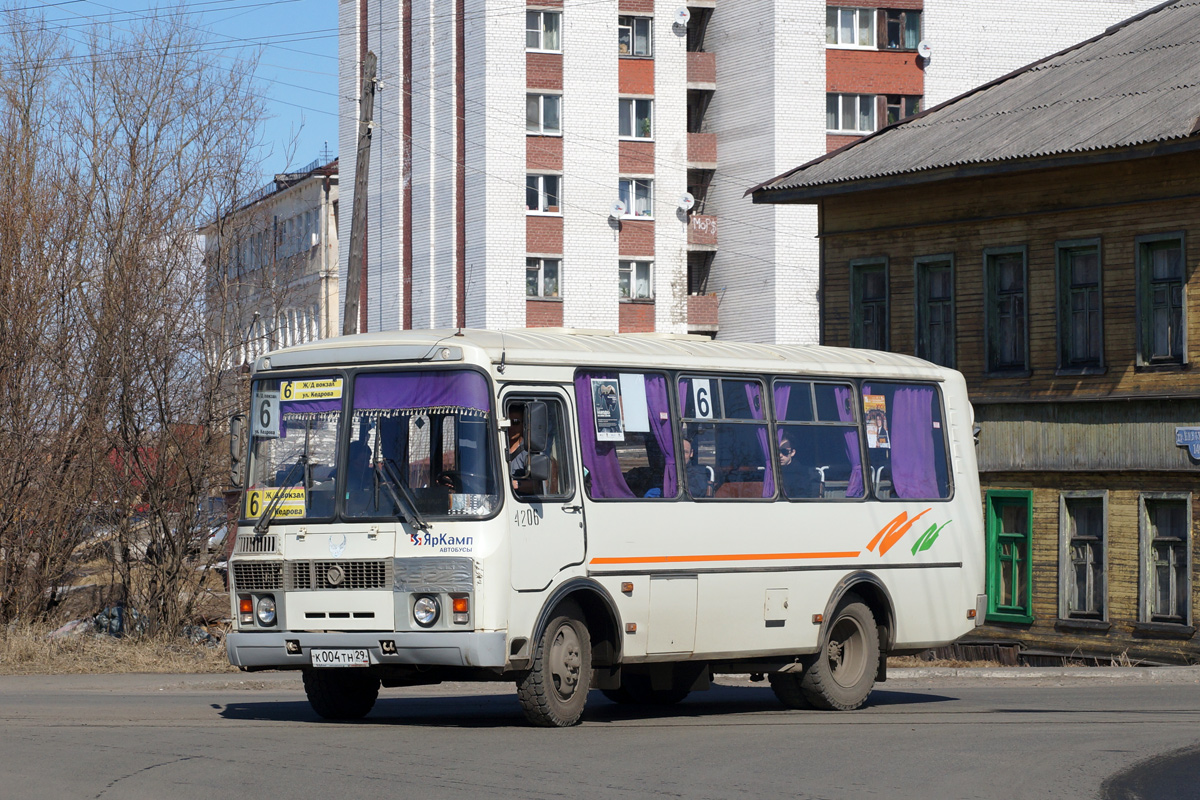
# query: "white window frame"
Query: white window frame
{"points": [[540, 30], [541, 101], [540, 263], [631, 23], [542, 206], [1146, 555], [627, 111], [1065, 570], [627, 192], [839, 12], [860, 99], [629, 268]]}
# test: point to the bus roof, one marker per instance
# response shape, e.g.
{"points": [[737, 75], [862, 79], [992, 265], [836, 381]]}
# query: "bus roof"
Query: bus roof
{"points": [[575, 346]]}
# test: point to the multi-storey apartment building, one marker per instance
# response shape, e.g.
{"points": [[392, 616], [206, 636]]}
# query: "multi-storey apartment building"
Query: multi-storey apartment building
{"points": [[644, 123], [273, 265]]}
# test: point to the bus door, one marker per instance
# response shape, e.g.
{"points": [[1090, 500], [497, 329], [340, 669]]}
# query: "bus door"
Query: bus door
{"points": [[545, 515]]}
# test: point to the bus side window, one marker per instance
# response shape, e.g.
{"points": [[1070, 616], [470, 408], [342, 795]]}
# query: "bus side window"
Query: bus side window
{"points": [[558, 485]]}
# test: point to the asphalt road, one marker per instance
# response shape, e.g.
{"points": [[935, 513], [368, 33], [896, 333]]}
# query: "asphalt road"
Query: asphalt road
{"points": [[1121, 734]]}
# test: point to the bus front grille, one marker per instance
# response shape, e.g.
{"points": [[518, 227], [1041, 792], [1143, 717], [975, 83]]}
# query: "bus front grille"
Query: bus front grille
{"points": [[257, 576], [367, 574]]}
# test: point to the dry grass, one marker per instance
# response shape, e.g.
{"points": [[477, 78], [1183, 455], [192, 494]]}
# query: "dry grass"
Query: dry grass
{"points": [[29, 651], [908, 662]]}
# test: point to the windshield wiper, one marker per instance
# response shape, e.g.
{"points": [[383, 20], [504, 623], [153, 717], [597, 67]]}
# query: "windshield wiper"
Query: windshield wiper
{"points": [[404, 498], [264, 519]]}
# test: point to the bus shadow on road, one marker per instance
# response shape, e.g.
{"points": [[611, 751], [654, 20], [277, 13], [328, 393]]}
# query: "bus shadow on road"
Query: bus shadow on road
{"points": [[500, 709]]}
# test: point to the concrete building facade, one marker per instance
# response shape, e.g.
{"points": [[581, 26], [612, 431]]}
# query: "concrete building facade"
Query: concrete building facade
{"points": [[673, 109]]}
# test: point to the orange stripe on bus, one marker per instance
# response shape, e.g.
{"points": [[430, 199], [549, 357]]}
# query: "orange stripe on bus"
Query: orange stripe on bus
{"points": [[734, 557]]}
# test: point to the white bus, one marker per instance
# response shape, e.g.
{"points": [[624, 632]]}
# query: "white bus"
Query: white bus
{"points": [[574, 510]]}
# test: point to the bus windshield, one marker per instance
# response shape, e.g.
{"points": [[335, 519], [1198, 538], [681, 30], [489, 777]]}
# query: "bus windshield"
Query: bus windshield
{"points": [[420, 446], [293, 451]]}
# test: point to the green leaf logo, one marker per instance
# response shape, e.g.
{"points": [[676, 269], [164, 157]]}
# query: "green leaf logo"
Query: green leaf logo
{"points": [[927, 538]]}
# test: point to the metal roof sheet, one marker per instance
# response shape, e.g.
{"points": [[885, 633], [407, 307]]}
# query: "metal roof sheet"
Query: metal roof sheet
{"points": [[1137, 83]]}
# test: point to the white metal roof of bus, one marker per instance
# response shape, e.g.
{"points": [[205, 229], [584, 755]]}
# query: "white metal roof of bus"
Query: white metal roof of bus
{"points": [[570, 346]]}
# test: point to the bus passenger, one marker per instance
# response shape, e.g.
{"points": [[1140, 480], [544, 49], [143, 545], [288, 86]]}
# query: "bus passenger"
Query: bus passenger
{"points": [[700, 479]]}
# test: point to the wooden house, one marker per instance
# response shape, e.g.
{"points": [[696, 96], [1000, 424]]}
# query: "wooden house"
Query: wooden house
{"points": [[1041, 234]]}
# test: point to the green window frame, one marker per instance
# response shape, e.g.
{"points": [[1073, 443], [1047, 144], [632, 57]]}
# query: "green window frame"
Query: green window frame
{"points": [[869, 303], [935, 308], [1006, 308], [1162, 298], [1009, 555], [1080, 284]]}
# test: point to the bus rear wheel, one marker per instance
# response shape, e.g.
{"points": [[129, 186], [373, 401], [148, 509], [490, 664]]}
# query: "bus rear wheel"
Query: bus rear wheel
{"points": [[341, 693], [554, 691], [843, 673]]}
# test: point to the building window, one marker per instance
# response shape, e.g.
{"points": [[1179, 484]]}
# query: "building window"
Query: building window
{"points": [[903, 29], [1082, 572], [638, 196], [869, 299], [850, 27], [636, 116], [636, 280], [1080, 323], [901, 106], [542, 194], [1009, 540], [541, 30], [1005, 307], [849, 113], [542, 114], [541, 277], [935, 309], [1164, 534], [633, 36], [1162, 332]]}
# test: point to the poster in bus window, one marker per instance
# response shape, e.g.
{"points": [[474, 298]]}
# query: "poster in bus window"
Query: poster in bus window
{"points": [[875, 407], [606, 407]]}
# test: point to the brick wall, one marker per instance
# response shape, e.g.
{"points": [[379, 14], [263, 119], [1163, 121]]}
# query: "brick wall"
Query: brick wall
{"points": [[543, 153], [702, 148], [544, 71], [636, 317], [636, 158], [702, 67], [873, 72], [543, 234], [637, 238], [543, 313], [635, 76]]}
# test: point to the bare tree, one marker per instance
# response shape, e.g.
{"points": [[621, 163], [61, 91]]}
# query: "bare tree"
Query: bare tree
{"points": [[112, 403]]}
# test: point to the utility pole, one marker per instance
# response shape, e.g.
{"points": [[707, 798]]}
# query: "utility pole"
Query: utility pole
{"points": [[356, 264]]}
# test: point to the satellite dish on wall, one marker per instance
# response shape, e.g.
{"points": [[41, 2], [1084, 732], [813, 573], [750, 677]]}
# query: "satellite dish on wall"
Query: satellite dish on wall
{"points": [[682, 15], [924, 49], [617, 209], [686, 201]]}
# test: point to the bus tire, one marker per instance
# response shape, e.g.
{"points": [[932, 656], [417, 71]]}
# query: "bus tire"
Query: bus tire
{"points": [[843, 673], [554, 691], [341, 694], [786, 686]]}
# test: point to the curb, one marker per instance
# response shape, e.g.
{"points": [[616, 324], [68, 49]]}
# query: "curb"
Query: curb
{"points": [[1124, 674]]}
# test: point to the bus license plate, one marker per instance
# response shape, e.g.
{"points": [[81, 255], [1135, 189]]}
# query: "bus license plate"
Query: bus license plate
{"points": [[340, 658]]}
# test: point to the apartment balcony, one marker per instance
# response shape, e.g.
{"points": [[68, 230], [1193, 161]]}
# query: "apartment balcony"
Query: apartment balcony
{"points": [[702, 151], [702, 233], [702, 71], [702, 313]]}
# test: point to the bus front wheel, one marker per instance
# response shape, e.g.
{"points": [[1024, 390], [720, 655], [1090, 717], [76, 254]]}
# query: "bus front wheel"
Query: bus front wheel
{"points": [[842, 674], [554, 691], [341, 693]]}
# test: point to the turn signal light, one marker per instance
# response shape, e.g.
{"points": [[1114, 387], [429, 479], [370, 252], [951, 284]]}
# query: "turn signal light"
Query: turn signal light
{"points": [[245, 605], [971, 613], [461, 605], [818, 619]]}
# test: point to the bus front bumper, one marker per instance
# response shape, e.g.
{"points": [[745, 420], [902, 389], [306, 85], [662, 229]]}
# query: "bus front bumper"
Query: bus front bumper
{"points": [[293, 650]]}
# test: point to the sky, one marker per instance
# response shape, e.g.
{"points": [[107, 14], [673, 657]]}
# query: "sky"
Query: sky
{"points": [[297, 45]]}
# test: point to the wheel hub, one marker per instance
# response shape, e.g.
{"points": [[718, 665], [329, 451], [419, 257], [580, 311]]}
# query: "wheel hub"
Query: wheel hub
{"points": [[565, 661]]}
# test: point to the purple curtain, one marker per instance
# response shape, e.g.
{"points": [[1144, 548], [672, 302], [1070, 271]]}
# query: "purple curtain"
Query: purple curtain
{"points": [[599, 458], [846, 414], [913, 472], [460, 390], [660, 424], [754, 397]]}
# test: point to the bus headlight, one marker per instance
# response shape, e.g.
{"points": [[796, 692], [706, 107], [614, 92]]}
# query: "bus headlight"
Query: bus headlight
{"points": [[266, 611], [426, 610]]}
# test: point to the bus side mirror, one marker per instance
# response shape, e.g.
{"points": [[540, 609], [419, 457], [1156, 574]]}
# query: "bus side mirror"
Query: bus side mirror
{"points": [[537, 427], [237, 435], [538, 468]]}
